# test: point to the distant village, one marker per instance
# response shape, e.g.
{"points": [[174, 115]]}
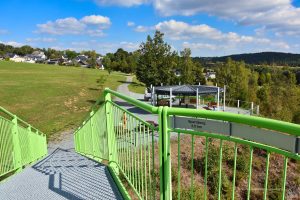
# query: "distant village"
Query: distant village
{"points": [[40, 57]]}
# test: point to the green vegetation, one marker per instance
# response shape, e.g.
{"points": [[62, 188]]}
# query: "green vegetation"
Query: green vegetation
{"points": [[136, 86], [158, 64], [274, 89], [52, 98], [121, 61], [263, 58]]}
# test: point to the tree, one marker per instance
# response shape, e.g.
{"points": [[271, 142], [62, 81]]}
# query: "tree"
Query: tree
{"points": [[187, 66], [156, 63], [298, 77], [198, 74], [71, 54], [235, 76], [92, 57], [107, 62]]}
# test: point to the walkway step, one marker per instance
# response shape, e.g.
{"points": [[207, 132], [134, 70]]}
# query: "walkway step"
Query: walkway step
{"points": [[63, 174]]}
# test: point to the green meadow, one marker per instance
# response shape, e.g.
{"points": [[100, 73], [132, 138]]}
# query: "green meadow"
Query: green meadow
{"points": [[52, 98]]}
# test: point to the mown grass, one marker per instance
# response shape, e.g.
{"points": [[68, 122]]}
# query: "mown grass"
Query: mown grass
{"points": [[52, 98], [136, 86]]}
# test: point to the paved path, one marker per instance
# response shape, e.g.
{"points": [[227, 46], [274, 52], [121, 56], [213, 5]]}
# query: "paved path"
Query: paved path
{"points": [[63, 174], [139, 112]]}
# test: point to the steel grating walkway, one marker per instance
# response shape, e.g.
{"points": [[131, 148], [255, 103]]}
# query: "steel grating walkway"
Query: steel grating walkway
{"points": [[63, 174]]}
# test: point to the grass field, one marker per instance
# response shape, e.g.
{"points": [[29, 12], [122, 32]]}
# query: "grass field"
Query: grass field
{"points": [[52, 98], [136, 86]]}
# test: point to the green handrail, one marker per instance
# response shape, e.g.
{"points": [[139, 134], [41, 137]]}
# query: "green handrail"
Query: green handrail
{"points": [[131, 147], [20, 143]]}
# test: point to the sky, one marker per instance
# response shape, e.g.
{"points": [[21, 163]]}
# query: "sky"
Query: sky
{"points": [[207, 27]]}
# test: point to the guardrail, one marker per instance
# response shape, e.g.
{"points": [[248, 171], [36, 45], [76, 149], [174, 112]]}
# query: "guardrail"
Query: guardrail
{"points": [[193, 152], [20, 143]]}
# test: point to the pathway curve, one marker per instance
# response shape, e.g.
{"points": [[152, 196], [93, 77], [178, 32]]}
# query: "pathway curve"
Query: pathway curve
{"points": [[139, 112]]}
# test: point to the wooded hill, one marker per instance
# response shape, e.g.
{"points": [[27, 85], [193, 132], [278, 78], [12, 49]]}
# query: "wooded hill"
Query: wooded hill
{"points": [[263, 58]]}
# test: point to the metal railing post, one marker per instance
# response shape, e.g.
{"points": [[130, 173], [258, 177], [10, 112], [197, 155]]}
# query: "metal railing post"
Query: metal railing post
{"points": [[112, 149], [164, 155], [92, 132], [16, 144], [31, 143]]}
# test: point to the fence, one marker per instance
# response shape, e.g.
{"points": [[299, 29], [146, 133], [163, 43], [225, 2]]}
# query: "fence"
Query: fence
{"points": [[192, 154], [20, 143]]}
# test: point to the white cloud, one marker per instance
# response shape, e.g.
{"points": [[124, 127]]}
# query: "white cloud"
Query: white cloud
{"points": [[3, 31], [126, 3], [178, 30], [200, 46], [41, 39], [277, 15], [130, 23], [142, 29], [129, 45], [103, 48], [96, 20], [12, 43], [91, 25], [95, 33]]}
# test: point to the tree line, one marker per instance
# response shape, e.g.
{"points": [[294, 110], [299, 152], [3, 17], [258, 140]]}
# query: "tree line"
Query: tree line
{"points": [[274, 89], [262, 58], [155, 63]]}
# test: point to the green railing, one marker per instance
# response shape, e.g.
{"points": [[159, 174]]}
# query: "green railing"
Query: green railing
{"points": [[20, 143], [192, 154]]}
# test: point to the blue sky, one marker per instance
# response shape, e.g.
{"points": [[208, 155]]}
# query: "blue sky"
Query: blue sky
{"points": [[208, 27]]}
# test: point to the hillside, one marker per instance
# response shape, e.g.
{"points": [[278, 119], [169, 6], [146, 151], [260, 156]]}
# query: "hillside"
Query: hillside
{"points": [[269, 58], [52, 98]]}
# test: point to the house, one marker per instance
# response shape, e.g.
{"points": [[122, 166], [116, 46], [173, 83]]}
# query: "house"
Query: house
{"points": [[52, 61], [17, 58], [210, 74], [29, 60], [99, 62], [9, 55], [39, 55], [81, 60], [36, 56], [65, 61], [14, 57]]}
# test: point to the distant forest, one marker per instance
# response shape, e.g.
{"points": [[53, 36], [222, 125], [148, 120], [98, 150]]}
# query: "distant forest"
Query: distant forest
{"points": [[263, 58]]}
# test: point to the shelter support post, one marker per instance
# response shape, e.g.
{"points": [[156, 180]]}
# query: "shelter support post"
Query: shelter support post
{"points": [[218, 99], [197, 99], [170, 103], [224, 98]]}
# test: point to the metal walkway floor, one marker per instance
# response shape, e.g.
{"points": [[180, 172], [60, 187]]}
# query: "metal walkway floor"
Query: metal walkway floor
{"points": [[63, 174]]}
